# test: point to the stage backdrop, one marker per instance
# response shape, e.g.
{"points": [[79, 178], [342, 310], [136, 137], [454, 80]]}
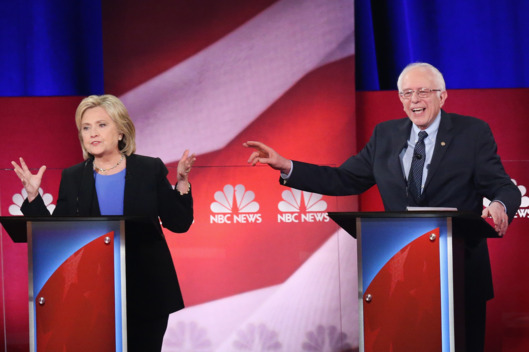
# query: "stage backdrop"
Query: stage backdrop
{"points": [[263, 268]]}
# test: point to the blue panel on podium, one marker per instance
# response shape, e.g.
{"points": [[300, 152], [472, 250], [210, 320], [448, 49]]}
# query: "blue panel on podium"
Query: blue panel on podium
{"points": [[387, 237]]}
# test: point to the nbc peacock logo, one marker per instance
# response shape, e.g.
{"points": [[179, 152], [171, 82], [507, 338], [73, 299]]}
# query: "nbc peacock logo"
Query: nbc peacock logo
{"points": [[300, 206], [234, 205], [18, 199]]}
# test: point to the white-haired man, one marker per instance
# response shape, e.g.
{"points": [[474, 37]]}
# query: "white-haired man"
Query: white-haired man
{"points": [[431, 158]]}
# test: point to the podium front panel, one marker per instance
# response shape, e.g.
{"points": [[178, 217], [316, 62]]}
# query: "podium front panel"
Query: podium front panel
{"points": [[405, 296], [77, 285]]}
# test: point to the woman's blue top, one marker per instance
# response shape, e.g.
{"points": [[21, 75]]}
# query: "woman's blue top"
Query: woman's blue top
{"points": [[110, 191]]}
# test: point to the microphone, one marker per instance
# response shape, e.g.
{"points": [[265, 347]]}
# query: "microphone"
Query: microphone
{"points": [[418, 156]]}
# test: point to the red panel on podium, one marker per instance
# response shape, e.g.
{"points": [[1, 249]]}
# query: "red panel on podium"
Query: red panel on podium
{"points": [[80, 291], [77, 283], [407, 291], [411, 277]]}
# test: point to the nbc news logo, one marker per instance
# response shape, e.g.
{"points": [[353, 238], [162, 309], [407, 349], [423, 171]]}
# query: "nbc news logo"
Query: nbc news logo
{"points": [[234, 205], [300, 206]]}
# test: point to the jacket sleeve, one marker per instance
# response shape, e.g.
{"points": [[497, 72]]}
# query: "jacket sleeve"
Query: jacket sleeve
{"points": [[175, 210], [490, 178], [67, 200], [353, 177], [35, 208]]}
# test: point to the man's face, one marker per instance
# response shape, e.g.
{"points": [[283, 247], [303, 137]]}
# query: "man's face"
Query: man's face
{"points": [[422, 111]]}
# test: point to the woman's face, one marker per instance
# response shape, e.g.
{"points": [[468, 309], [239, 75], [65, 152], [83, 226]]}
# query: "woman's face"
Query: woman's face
{"points": [[99, 133]]}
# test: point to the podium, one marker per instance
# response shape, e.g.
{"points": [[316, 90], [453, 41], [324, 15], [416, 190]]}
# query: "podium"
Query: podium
{"points": [[77, 284], [411, 277]]}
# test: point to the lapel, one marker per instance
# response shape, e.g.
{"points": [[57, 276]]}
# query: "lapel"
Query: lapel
{"points": [[85, 199], [399, 143], [443, 140], [131, 183]]}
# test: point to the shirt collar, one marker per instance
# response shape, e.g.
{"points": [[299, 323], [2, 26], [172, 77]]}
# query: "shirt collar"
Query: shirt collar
{"points": [[431, 130]]}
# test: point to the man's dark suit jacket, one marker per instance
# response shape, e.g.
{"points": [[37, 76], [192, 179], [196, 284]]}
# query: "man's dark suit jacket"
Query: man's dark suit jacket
{"points": [[152, 284], [464, 168]]}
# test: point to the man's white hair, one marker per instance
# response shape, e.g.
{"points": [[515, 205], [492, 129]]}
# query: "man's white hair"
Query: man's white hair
{"points": [[425, 66]]}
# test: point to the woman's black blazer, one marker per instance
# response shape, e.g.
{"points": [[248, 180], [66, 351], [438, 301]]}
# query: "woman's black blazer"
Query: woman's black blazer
{"points": [[152, 284]]}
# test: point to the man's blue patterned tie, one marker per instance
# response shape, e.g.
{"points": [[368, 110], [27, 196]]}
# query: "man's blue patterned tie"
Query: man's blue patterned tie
{"points": [[417, 165]]}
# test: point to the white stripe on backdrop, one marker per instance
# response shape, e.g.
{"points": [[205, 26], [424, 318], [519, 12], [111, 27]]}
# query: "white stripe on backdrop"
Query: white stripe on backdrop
{"points": [[212, 96]]}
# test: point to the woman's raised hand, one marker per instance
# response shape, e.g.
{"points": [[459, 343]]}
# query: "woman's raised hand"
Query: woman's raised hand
{"points": [[31, 182], [184, 167]]}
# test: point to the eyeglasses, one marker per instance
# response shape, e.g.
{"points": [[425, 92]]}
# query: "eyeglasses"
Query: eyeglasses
{"points": [[421, 92]]}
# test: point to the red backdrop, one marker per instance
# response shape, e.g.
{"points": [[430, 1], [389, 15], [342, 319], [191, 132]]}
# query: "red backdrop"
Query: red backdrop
{"points": [[29, 123]]}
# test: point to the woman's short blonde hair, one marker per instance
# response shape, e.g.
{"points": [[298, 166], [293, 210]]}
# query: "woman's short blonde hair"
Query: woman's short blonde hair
{"points": [[117, 112]]}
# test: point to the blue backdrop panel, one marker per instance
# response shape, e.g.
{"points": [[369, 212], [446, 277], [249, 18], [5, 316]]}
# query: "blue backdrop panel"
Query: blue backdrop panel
{"points": [[50, 48], [55, 47], [475, 43]]}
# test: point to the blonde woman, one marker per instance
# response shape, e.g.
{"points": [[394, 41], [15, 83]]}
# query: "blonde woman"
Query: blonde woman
{"points": [[114, 181]]}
